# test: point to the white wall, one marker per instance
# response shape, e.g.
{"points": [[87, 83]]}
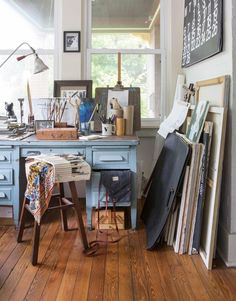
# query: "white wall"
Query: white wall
{"points": [[220, 64], [68, 18]]}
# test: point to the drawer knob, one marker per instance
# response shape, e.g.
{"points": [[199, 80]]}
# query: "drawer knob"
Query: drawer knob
{"points": [[2, 177], [3, 158], [2, 195]]}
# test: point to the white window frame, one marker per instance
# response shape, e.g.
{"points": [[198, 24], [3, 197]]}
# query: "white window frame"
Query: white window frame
{"points": [[145, 122]]}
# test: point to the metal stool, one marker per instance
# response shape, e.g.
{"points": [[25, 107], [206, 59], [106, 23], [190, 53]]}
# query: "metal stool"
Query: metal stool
{"points": [[63, 205]]}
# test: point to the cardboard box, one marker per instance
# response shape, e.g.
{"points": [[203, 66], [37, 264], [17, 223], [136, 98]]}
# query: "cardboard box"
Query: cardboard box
{"points": [[57, 134], [107, 221]]}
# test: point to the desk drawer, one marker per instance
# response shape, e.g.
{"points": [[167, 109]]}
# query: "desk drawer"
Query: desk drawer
{"points": [[5, 157], [25, 152], [116, 159], [6, 196], [6, 176]]}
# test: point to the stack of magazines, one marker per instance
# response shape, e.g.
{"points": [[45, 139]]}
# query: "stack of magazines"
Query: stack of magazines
{"points": [[67, 167]]}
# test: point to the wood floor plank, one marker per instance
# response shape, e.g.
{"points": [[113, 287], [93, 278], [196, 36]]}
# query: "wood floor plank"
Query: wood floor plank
{"points": [[152, 273], [42, 275], [111, 273], [3, 229], [125, 276], [208, 280], [96, 285], [168, 285], [14, 257], [83, 276], [54, 281], [68, 281], [16, 275], [194, 278], [122, 272], [140, 286], [22, 287], [180, 278]]}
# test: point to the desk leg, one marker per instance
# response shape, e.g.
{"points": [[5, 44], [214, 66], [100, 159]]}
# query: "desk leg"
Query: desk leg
{"points": [[134, 188], [89, 207]]}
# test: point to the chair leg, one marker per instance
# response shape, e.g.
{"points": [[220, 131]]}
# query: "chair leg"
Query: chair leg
{"points": [[79, 213], [22, 222], [35, 246], [62, 212]]}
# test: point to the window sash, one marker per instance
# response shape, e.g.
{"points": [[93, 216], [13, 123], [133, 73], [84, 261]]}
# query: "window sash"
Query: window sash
{"points": [[145, 122]]}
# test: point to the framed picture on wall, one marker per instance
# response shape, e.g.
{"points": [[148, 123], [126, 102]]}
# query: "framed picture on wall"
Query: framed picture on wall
{"points": [[71, 41]]}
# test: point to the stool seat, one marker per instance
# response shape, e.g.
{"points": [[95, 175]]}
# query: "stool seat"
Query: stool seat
{"points": [[64, 204]]}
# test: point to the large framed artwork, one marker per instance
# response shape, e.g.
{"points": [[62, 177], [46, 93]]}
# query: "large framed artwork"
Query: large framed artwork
{"points": [[203, 30]]}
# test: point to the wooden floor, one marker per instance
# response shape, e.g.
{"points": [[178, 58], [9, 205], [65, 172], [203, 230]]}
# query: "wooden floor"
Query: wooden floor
{"points": [[123, 271]]}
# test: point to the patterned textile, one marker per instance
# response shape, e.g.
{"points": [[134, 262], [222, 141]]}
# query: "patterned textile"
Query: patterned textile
{"points": [[40, 183], [44, 171]]}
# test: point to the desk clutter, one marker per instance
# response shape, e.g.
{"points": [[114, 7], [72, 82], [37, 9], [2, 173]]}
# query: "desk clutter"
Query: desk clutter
{"points": [[182, 197]]}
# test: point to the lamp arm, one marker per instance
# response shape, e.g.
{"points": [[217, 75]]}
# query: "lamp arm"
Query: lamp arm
{"points": [[33, 51]]}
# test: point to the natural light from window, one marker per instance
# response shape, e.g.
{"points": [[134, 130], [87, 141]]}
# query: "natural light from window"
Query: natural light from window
{"points": [[25, 22]]}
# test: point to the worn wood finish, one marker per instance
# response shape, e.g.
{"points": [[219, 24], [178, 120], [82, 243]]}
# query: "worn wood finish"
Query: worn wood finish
{"points": [[123, 271]]}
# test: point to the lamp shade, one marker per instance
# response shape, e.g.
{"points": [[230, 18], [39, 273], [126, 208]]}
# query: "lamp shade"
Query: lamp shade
{"points": [[39, 65]]}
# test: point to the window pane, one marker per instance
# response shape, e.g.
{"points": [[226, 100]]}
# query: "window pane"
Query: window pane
{"points": [[13, 81], [125, 24], [26, 21], [138, 70]]}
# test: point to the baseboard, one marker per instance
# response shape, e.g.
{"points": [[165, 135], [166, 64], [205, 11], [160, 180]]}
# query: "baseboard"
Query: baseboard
{"points": [[226, 246]]}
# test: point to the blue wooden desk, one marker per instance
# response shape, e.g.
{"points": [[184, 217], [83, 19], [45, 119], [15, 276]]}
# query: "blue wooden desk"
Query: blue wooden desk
{"points": [[107, 153]]}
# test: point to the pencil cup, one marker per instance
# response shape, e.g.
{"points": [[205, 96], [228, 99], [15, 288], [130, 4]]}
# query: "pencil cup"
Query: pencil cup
{"points": [[85, 128], [120, 126], [108, 129]]}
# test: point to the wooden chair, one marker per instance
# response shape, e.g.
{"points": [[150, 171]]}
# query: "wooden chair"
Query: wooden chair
{"points": [[63, 205]]}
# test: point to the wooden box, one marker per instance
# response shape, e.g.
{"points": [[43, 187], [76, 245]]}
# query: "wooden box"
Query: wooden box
{"points": [[107, 221], [57, 134]]}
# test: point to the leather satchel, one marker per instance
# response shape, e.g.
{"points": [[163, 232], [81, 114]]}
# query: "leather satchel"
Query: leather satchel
{"points": [[117, 184]]}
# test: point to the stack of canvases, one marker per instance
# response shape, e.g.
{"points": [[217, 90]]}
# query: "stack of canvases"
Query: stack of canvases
{"points": [[183, 228]]}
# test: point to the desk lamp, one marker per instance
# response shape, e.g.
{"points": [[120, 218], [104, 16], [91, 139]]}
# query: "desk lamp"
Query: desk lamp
{"points": [[39, 66]]}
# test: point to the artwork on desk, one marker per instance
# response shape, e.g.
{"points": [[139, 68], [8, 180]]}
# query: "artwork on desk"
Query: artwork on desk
{"points": [[66, 88], [203, 30], [126, 96]]}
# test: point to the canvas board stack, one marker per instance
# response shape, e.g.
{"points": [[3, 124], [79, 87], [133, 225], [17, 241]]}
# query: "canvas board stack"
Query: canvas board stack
{"points": [[192, 221]]}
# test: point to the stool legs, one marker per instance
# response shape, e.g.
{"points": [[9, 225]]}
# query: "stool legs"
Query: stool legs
{"points": [[36, 235], [35, 243], [62, 212], [22, 222], [79, 213]]}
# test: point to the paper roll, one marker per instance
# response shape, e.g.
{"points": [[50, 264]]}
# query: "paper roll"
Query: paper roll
{"points": [[120, 126], [129, 119]]}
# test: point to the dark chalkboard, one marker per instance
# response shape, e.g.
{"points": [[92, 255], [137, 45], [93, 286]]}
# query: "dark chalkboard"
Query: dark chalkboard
{"points": [[203, 30]]}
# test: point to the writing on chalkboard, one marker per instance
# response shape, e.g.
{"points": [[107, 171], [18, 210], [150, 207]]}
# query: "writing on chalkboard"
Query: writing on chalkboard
{"points": [[202, 34]]}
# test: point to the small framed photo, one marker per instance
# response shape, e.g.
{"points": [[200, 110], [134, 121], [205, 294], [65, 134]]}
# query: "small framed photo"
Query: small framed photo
{"points": [[44, 124], [71, 41]]}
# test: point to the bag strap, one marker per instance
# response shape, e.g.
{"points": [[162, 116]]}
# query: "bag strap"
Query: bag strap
{"points": [[94, 244]]}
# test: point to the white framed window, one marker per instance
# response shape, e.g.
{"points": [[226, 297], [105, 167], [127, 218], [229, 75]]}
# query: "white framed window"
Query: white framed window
{"points": [[134, 29], [33, 23]]}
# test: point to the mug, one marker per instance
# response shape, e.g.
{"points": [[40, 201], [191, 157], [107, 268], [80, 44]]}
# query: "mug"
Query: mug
{"points": [[108, 129]]}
